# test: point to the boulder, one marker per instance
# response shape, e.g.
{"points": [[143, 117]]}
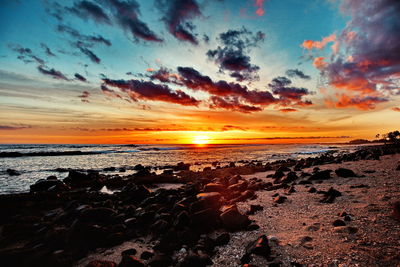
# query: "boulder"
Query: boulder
{"points": [[320, 175], [280, 199], [233, 220], [254, 209], [330, 195], [160, 260], [213, 187], [130, 261], [258, 247], [196, 260], [44, 185], [12, 172], [338, 223], [343, 172], [99, 263]]}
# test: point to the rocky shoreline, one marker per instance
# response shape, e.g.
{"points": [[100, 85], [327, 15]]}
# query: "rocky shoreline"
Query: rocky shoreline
{"points": [[59, 223]]}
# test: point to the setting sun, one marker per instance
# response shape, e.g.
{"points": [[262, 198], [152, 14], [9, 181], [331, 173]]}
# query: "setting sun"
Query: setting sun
{"points": [[201, 140]]}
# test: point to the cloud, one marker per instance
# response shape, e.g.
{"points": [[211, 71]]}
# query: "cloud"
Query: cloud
{"points": [[80, 77], [92, 56], [396, 109], [108, 92], [233, 128], [146, 90], [177, 15], [260, 10], [361, 103], [86, 9], [309, 44], [293, 73], [13, 128], [231, 103], [55, 74], [233, 56], [88, 40], [84, 96], [126, 13], [289, 95], [287, 110], [47, 50], [366, 64], [25, 54]]}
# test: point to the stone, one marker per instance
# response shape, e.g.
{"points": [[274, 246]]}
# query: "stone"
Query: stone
{"points": [[213, 187], [100, 263], [233, 220], [259, 247], [330, 196], [130, 251], [44, 185], [98, 215], [146, 255], [320, 175], [130, 261], [181, 166], [222, 239], [254, 209], [343, 172], [210, 197], [338, 223], [312, 190], [12, 172], [280, 199], [160, 260], [396, 211], [196, 260]]}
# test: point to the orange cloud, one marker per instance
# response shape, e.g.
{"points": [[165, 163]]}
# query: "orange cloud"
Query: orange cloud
{"points": [[396, 109], [319, 62], [361, 103], [310, 44], [260, 10], [287, 110]]}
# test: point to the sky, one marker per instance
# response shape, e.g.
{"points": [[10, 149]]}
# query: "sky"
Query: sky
{"points": [[198, 71]]}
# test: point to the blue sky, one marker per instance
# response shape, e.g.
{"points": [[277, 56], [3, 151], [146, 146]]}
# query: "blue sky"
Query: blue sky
{"points": [[33, 92]]}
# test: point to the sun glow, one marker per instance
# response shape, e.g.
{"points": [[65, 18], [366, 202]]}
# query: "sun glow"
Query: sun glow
{"points": [[201, 140]]}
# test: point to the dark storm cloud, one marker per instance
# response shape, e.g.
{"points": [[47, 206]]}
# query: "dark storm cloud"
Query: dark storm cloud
{"points": [[47, 50], [80, 77], [289, 95], [295, 73], [232, 103], [177, 15], [52, 72], [86, 9], [145, 90], [233, 56]]}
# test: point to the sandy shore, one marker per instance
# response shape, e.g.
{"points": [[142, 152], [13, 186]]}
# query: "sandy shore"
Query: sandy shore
{"points": [[259, 215]]}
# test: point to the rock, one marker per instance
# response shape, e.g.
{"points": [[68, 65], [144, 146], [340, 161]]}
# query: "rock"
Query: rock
{"points": [[181, 166], [278, 174], [233, 220], [160, 260], [398, 168], [338, 223], [130, 261], [196, 260], [305, 239], [146, 255], [110, 169], [130, 251], [345, 229], [312, 190], [343, 172], [98, 215], [280, 199], [396, 210], [290, 177], [347, 218], [12, 172], [183, 219], [292, 189], [330, 196], [210, 197], [138, 167], [254, 209], [320, 175], [52, 178], [258, 247], [45, 185], [99, 263], [222, 239], [213, 187]]}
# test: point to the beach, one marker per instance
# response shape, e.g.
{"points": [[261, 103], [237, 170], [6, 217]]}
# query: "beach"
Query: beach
{"points": [[333, 209]]}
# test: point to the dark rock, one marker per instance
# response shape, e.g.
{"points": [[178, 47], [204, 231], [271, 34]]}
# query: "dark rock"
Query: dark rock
{"points": [[278, 174], [330, 196], [99, 263], [210, 197], [338, 223], [12, 172], [312, 190], [160, 260], [98, 215], [146, 255], [396, 210], [122, 169], [196, 260], [254, 209], [114, 239], [45, 185], [52, 177], [280, 199], [138, 167], [252, 227], [347, 218], [222, 239], [182, 167], [130, 251], [258, 247], [109, 169], [320, 175], [305, 182], [290, 177], [398, 168], [130, 261], [343, 172], [182, 219], [233, 220]]}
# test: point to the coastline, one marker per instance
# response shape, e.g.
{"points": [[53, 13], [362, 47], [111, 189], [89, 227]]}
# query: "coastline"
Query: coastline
{"points": [[62, 222]]}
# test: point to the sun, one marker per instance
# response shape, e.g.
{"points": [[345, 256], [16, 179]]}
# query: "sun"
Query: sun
{"points": [[200, 140]]}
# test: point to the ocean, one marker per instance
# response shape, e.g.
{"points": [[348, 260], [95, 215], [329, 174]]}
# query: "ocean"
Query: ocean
{"points": [[34, 162]]}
